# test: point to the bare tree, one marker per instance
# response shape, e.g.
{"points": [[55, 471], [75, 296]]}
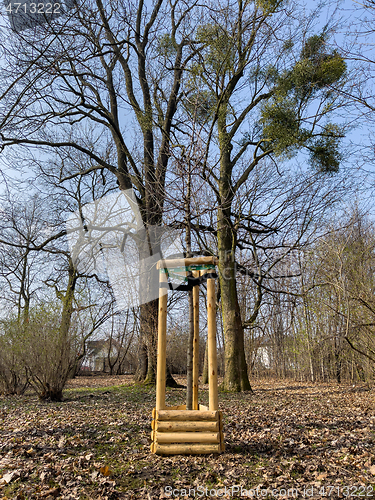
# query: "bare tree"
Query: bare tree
{"points": [[106, 62], [258, 81]]}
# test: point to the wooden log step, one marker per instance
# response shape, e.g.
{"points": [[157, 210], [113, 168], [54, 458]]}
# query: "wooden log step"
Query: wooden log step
{"points": [[186, 449], [186, 437], [166, 426], [186, 415]]}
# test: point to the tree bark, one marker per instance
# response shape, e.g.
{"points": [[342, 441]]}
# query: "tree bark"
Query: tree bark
{"points": [[52, 389], [141, 371], [151, 328], [236, 376]]}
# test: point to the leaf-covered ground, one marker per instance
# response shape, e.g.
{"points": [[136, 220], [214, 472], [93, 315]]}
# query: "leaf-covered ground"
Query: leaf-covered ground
{"points": [[286, 440]]}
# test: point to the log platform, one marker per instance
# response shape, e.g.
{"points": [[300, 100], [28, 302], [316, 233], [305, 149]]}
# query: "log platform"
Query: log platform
{"points": [[177, 431]]}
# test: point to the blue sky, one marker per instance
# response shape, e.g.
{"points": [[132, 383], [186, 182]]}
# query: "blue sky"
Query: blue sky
{"points": [[350, 17]]}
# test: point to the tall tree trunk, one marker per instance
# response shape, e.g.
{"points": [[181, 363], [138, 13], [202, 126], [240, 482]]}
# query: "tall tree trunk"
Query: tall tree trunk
{"points": [[151, 328], [141, 371], [337, 356], [236, 376], [148, 245], [53, 388]]}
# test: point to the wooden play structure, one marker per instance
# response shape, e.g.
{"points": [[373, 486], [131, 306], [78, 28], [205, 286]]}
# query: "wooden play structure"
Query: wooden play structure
{"points": [[176, 430]]}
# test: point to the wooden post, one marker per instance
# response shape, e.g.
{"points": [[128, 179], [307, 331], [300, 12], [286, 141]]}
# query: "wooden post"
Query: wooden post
{"points": [[196, 343], [211, 340], [162, 343]]}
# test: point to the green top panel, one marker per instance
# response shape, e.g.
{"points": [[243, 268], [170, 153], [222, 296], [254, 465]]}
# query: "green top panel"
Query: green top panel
{"points": [[187, 269]]}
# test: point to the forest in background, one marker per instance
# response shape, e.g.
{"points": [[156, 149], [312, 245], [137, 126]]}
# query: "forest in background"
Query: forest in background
{"points": [[241, 125]]}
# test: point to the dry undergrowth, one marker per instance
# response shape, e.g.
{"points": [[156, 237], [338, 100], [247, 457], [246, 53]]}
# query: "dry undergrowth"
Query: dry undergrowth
{"points": [[317, 439]]}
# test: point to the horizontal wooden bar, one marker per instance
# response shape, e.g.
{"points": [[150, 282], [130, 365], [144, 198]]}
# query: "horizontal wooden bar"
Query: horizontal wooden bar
{"points": [[187, 415], [166, 426], [178, 407], [171, 263], [186, 449], [187, 437]]}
